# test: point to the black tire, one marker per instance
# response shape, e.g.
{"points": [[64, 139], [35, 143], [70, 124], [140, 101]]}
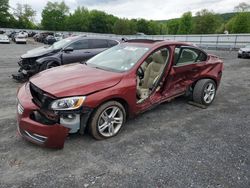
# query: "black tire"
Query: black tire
{"points": [[239, 56], [93, 123], [200, 90], [47, 65]]}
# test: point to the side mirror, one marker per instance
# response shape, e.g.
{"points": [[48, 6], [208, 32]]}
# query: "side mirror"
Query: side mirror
{"points": [[68, 49]]}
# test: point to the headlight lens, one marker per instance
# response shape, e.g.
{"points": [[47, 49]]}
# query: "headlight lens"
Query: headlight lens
{"points": [[70, 103]]}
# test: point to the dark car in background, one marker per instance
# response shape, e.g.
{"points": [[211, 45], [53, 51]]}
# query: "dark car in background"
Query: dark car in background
{"points": [[41, 36], [50, 39], [66, 51]]}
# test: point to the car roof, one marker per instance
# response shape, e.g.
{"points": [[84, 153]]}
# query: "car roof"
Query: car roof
{"points": [[89, 37], [153, 43]]}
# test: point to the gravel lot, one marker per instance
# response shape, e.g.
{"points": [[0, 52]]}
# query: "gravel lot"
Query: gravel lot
{"points": [[173, 145]]}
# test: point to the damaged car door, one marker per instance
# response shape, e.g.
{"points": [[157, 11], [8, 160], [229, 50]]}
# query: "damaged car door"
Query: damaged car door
{"points": [[80, 52]]}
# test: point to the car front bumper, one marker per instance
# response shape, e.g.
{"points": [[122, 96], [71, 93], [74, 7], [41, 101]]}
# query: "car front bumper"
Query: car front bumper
{"points": [[28, 67], [4, 41], [244, 54], [52, 136]]}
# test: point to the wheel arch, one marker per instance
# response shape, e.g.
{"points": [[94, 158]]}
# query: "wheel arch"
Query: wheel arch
{"points": [[121, 100], [42, 60], [206, 77]]}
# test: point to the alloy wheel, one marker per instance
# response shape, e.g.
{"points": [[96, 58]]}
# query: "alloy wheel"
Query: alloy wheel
{"points": [[110, 121], [209, 93]]}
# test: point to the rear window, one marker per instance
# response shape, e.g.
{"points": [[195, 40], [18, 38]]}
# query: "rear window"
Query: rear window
{"points": [[112, 43]]}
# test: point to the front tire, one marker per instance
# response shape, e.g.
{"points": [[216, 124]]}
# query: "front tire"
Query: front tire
{"points": [[48, 65], [204, 92], [107, 120]]}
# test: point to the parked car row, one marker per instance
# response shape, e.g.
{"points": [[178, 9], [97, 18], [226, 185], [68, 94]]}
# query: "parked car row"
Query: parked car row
{"points": [[108, 86], [49, 37], [17, 38]]}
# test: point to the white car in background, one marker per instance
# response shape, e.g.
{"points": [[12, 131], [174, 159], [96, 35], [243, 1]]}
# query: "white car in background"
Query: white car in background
{"points": [[20, 38], [244, 52], [58, 36], [4, 38]]}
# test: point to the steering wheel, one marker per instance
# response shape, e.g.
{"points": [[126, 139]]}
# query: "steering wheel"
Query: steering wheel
{"points": [[140, 73]]}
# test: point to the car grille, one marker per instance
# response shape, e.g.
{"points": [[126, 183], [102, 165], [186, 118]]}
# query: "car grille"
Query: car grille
{"points": [[40, 98]]}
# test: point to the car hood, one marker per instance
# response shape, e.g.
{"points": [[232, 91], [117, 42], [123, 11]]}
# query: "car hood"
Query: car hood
{"points": [[37, 52], [245, 49], [74, 79]]}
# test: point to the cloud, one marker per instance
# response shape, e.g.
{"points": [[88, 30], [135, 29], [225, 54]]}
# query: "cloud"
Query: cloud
{"points": [[148, 9]]}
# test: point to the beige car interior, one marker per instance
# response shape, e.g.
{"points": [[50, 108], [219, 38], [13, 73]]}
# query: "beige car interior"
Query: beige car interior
{"points": [[153, 68]]}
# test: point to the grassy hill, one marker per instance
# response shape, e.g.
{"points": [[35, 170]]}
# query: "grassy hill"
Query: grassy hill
{"points": [[224, 16]]}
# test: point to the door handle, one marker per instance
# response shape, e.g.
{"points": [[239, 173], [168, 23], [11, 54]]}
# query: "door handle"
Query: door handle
{"points": [[87, 52]]}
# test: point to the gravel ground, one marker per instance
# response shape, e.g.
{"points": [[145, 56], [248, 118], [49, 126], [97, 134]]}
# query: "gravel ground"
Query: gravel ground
{"points": [[173, 145]]}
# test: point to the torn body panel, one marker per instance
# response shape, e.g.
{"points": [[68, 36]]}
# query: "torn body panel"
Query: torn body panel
{"points": [[44, 127]]}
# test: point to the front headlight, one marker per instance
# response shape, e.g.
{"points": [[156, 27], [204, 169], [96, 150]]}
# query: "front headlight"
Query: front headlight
{"points": [[70, 103]]}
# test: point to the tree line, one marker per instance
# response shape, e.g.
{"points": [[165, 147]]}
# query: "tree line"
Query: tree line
{"points": [[56, 16]]}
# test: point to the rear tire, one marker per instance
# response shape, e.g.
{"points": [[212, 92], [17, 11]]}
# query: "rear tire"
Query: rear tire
{"points": [[107, 120], [204, 92]]}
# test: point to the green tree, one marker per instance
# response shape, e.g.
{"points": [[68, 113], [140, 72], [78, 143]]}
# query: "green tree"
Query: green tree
{"points": [[206, 22], [142, 26], [25, 16], [186, 23], [79, 20], [54, 16], [100, 22], [241, 23], [122, 27], [5, 16], [173, 26], [154, 28]]}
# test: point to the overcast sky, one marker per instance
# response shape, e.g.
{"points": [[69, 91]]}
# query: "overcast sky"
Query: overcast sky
{"points": [[148, 9]]}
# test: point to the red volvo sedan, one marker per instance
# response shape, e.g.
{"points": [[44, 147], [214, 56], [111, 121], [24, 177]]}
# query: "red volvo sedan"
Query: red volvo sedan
{"points": [[119, 83]]}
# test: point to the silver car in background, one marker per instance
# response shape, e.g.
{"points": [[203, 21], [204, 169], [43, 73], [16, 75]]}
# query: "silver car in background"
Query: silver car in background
{"points": [[4, 39], [244, 52]]}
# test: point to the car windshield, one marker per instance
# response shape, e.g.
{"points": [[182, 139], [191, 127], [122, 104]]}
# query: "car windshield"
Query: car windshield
{"points": [[119, 58], [61, 44], [248, 46]]}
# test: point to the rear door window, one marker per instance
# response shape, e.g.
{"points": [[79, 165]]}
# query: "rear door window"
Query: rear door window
{"points": [[99, 43], [187, 55], [80, 44]]}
